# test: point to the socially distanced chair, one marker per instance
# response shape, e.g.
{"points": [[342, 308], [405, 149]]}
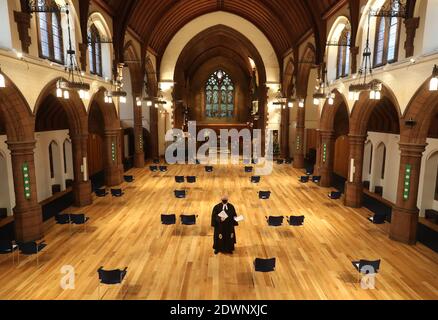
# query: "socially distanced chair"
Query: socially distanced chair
{"points": [[62, 218], [153, 168], [275, 221], [79, 219], [163, 168], [309, 171], [128, 179], [31, 248], [180, 194], [209, 169], [179, 179], [296, 221], [316, 179], [101, 193], [264, 265], [188, 220], [168, 219], [255, 179], [191, 179], [249, 169], [288, 161], [8, 246], [304, 179], [110, 277], [117, 193], [280, 161], [264, 195], [378, 219], [335, 195]]}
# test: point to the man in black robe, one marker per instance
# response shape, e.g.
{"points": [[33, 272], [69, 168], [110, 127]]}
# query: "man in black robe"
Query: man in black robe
{"points": [[223, 221]]}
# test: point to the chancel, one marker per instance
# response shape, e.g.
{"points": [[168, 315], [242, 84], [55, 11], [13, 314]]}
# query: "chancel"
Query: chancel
{"points": [[218, 150]]}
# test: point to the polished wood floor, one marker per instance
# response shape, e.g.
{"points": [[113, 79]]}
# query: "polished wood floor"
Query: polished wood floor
{"points": [[178, 262]]}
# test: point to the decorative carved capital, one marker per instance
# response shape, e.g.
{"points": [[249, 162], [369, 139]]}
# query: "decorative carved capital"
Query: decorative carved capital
{"points": [[411, 25], [23, 25]]}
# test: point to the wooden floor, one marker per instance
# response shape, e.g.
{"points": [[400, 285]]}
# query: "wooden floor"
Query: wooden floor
{"points": [[177, 262]]}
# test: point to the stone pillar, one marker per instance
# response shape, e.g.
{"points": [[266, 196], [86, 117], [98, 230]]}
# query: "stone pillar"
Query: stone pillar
{"points": [[354, 52], [405, 213], [82, 184], [327, 158], [354, 185], [285, 115], [154, 132], [83, 47], [299, 139], [411, 25], [316, 169], [112, 157], [27, 212], [138, 136]]}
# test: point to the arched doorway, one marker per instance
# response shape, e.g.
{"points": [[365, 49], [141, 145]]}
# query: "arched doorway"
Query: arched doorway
{"points": [[60, 119]]}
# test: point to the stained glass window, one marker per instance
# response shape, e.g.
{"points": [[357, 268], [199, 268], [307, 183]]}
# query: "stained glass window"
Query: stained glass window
{"points": [[219, 96]]}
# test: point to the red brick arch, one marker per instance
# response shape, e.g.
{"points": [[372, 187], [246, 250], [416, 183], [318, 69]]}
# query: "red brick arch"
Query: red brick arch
{"points": [[14, 109], [306, 63], [288, 76], [108, 110], [363, 109], [133, 62], [422, 108], [329, 111]]}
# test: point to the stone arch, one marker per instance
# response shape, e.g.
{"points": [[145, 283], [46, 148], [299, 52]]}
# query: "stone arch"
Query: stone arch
{"points": [[306, 63], [363, 109], [108, 110], [133, 62], [329, 111], [332, 51], [422, 108], [288, 76]]}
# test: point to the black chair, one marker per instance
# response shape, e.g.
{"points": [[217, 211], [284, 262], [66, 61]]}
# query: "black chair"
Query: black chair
{"points": [[264, 195], [156, 161], [275, 221], [255, 179], [128, 179], [56, 188], [163, 168], [249, 169], [188, 220], [180, 194], [3, 213], [62, 218], [309, 171], [110, 277], [304, 179], [255, 161], [280, 161], [191, 179], [316, 179], [296, 221], [31, 248], [7, 246], [264, 265], [79, 219], [288, 161], [335, 195], [198, 162], [378, 219], [101, 193], [117, 193], [153, 168], [209, 169], [179, 179], [69, 183], [168, 219]]}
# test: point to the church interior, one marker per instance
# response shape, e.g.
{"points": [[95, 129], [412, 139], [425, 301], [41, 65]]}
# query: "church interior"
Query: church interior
{"points": [[340, 95]]}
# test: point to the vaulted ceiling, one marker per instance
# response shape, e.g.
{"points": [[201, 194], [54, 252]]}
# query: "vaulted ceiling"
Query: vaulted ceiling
{"points": [[284, 22]]}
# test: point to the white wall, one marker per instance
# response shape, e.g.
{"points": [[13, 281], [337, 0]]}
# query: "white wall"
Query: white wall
{"points": [[7, 193], [429, 166]]}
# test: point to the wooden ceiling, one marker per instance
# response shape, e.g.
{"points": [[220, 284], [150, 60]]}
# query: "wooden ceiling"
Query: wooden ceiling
{"points": [[284, 22]]}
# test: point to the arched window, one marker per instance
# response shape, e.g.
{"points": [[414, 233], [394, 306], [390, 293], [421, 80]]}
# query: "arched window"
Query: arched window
{"points": [[50, 34], [387, 37], [219, 96], [95, 51], [343, 68]]}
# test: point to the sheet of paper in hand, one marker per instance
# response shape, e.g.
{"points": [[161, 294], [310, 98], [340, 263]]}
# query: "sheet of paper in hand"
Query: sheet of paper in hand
{"points": [[223, 215], [239, 218]]}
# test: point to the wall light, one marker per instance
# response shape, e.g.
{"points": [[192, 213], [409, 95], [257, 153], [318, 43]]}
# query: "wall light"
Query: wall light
{"points": [[433, 85]]}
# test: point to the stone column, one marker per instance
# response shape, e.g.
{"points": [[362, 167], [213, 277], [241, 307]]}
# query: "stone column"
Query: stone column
{"points": [[327, 158], [354, 185], [112, 147], [405, 213], [82, 184], [285, 114], [299, 139], [411, 25], [354, 52], [138, 136], [154, 131], [317, 168], [27, 212]]}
